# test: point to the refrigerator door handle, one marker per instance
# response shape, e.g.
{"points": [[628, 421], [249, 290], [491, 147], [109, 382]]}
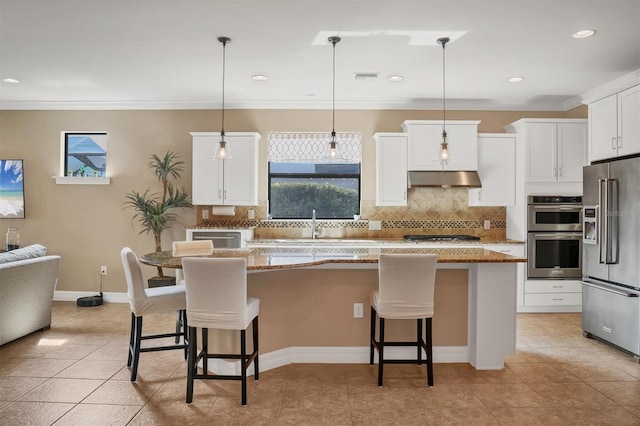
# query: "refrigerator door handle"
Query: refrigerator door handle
{"points": [[612, 221], [609, 289], [602, 220]]}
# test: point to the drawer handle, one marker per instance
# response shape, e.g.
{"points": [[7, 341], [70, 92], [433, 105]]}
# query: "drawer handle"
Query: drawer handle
{"points": [[557, 299], [557, 286]]}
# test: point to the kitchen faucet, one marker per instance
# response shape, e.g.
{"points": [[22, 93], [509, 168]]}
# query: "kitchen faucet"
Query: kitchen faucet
{"points": [[314, 233]]}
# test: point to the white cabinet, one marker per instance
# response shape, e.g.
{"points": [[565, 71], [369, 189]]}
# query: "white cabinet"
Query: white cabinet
{"points": [[497, 170], [425, 137], [225, 182], [614, 125], [391, 169], [554, 148], [552, 296]]}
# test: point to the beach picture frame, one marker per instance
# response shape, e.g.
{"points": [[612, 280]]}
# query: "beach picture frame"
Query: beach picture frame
{"points": [[11, 189]]}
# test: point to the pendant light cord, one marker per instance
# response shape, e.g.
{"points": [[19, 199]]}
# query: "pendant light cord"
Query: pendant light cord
{"points": [[443, 41], [224, 66], [334, 40]]}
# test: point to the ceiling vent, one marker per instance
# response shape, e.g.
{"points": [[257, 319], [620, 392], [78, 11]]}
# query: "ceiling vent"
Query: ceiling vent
{"points": [[365, 75]]}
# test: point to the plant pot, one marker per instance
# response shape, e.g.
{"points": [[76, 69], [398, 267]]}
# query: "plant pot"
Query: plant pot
{"points": [[161, 281]]}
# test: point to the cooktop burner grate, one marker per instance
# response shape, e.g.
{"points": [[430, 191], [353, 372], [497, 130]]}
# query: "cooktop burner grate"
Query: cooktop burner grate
{"points": [[441, 238]]}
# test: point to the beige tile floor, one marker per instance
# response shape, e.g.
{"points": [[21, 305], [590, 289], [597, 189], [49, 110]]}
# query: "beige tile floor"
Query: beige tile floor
{"points": [[75, 374]]}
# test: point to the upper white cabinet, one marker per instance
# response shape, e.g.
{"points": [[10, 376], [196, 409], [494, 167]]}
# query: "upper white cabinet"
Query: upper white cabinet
{"points": [[497, 170], [555, 149], [225, 182], [425, 137], [391, 169], [614, 125]]}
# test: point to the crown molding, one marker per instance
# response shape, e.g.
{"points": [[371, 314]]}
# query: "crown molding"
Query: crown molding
{"points": [[614, 86]]}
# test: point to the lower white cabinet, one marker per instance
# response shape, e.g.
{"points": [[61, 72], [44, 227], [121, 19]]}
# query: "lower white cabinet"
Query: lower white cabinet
{"points": [[497, 170], [552, 296]]}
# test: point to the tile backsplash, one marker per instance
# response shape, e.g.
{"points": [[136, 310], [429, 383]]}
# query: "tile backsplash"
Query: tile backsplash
{"points": [[428, 211]]}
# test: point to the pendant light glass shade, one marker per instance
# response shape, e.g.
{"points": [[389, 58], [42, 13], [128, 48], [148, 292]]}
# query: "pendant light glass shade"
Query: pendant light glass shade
{"points": [[334, 154], [222, 151], [444, 145]]}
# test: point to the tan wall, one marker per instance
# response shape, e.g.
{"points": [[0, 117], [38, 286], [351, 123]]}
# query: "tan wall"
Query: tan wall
{"points": [[86, 224], [314, 307]]}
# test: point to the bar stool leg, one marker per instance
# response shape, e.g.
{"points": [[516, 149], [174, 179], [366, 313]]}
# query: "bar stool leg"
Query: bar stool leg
{"points": [[205, 351], [136, 348], [243, 365], [373, 335], [418, 341], [191, 362], [429, 353], [381, 352], [256, 365], [131, 339]]}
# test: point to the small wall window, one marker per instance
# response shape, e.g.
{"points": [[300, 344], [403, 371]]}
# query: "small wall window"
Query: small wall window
{"points": [[302, 177], [85, 154]]}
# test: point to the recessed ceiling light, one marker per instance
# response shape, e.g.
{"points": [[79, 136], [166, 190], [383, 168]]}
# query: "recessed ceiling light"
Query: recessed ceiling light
{"points": [[583, 33], [11, 80], [259, 77], [515, 79], [395, 78]]}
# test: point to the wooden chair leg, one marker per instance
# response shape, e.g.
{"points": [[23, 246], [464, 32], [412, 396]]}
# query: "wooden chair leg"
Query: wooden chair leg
{"points": [[373, 335], [429, 353], [256, 365], [381, 352], [185, 337], [136, 348], [205, 350], [243, 365], [178, 325], [191, 362]]}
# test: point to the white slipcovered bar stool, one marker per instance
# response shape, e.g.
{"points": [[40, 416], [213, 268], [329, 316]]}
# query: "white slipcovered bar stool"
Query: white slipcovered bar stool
{"points": [[188, 248], [149, 300], [405, 291], [217, 298]]}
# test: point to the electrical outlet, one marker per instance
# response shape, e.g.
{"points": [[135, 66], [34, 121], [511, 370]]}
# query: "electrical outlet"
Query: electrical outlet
{"points": [[103, 270], [375, 225], [251, 213], [205, 213], [358, 310], [487, 224]]}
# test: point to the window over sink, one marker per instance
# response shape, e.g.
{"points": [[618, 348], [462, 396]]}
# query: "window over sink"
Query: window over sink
{"points": [[302, 177]]}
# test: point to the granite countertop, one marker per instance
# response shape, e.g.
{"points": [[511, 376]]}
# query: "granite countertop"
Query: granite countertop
{"points": [[373, 242], [297, 257]]}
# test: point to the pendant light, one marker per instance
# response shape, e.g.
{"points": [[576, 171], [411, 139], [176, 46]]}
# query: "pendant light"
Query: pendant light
{"points": [[333, 144], [222, 153], [444, 146]]}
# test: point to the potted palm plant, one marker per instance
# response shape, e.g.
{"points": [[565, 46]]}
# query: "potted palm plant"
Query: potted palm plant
{"points": [[156, 213]]}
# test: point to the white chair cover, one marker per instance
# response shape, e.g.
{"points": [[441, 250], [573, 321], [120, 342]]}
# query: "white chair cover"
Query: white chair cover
{"points": [[217, 293], [406, 285], [144, 300]]}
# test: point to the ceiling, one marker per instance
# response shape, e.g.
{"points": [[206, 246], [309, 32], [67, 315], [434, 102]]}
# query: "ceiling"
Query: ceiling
{"points": [[164, 54]]}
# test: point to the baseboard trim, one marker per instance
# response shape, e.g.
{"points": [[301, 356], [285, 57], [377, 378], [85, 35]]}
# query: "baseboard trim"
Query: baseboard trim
{"points": [[559, 309], [72, 296], [335, 355]]}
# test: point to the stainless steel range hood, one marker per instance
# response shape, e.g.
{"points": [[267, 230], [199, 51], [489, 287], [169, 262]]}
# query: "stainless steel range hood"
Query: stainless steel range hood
{"points": [[444, 179]]}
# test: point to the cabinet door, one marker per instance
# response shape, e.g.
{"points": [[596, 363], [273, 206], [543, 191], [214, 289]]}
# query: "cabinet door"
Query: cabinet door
{"points": [[572, 142], [207, 172], [541, 150], [629, 121], [241, 173], [391, 169], [497, 170], [603, 128], [424, 146]]}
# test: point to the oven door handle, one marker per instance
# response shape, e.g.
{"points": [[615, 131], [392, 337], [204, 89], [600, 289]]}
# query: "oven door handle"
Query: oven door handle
{"points": [[556, 235], [609, 289], [556, 207]]}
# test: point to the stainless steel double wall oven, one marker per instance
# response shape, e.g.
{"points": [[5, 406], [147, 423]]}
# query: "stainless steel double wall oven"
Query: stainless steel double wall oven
{"points": [[554, 240]]}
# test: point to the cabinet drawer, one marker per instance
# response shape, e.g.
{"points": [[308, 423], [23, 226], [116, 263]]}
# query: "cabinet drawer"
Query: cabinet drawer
{"points": [[539, 299], [511, 249], [553, 286]]}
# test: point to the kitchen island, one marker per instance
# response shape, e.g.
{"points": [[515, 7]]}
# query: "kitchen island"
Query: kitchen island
{"points": [[307, 296]]}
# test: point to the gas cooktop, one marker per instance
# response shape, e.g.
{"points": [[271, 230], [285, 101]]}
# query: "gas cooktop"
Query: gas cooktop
{"points": [[441, 238]]}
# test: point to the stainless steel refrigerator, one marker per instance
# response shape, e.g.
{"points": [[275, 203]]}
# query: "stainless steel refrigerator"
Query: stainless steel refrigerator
{"points": [[611, 253]]}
